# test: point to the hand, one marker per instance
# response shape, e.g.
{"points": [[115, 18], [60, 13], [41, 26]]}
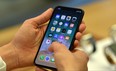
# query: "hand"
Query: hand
{"points": [[67, 61], [28, 37]]}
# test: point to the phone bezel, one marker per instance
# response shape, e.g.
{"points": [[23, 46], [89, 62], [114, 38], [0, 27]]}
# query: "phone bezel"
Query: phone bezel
{"points": [[77, 29]]}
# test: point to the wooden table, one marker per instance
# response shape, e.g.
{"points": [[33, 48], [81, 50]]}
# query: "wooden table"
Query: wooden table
{"points": [[99, 17]]}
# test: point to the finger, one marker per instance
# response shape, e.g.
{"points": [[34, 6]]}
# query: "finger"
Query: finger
{"points": [[78, 36], [82, 27], [44, 17], [39, 69], [76, 42], [79, 53], [61, 53], [58, 47]]}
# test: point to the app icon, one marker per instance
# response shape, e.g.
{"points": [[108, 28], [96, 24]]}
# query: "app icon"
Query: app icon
{"points": [[67, 37], [66, 24], [58, 29], [52, 60], [47, 58], [68, 18], [69, 31], [60, 23], [52, 28], [50, 35], [55, 35], [48, 41], [42, 57], [63, 17], [63, 30], [61, 37], [71, 25], [57, 16], [55, 22], [74, 19]]}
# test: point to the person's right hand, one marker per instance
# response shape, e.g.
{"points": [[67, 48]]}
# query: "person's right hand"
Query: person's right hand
{"points": [[68, 61]]}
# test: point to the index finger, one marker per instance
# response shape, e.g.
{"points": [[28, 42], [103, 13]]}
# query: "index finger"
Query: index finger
{"points": [[82, 27]]}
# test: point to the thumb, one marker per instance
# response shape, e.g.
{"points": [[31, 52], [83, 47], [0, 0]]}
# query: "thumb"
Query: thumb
{"points": [[44, 17], [39, 69]]}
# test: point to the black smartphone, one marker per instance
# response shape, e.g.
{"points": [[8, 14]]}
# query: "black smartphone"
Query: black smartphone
{"points": [[62, 28]]}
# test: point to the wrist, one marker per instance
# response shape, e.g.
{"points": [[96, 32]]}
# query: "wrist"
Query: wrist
{"points": [[9, 56], [67, 68]]}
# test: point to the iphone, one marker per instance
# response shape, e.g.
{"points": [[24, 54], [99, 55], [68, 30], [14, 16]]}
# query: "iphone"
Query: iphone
{"points": [[62, 28]]}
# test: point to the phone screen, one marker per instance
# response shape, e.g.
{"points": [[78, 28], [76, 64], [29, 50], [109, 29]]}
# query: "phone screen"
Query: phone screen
{"points": [[62, 28]]}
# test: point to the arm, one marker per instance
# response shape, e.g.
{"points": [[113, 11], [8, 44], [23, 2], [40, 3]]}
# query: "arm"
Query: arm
{"points": [[9, 57]]}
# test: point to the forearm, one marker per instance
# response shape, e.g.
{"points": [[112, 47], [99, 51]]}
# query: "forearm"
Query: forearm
{"points": [[8, 54]]}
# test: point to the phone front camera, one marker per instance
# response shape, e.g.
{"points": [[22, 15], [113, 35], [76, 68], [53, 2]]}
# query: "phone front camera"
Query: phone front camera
{"points": [[59, 8]]}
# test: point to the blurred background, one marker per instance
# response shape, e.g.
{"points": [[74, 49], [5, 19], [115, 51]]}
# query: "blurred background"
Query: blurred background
{"points": [[100, 19]]}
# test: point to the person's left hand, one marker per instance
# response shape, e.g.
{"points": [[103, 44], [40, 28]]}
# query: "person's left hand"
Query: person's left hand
{"points": [[28, 37]]}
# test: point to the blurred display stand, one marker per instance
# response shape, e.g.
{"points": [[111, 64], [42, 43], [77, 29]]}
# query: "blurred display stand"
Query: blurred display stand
{"points": [[98, 61], [102, 53], [113, 33], [88, 43]]}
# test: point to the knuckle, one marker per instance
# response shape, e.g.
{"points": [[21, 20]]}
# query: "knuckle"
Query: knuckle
{"points": [[54, 45], [86, 57]]}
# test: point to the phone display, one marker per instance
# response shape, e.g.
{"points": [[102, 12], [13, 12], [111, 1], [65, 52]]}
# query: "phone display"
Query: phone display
{"points": [[62, 28]]}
